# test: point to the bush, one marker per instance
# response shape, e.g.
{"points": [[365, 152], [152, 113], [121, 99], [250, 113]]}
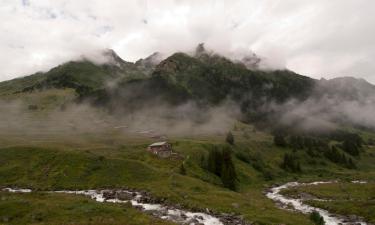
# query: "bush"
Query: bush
{"points": [[243, 157], [317, 218]]}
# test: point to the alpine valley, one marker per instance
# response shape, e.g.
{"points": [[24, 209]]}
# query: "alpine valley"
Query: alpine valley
{"points": [[193, 138]]}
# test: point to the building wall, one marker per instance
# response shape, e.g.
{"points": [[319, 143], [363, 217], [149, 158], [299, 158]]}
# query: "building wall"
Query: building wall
{"points": [[162, 151], [164, 154]]}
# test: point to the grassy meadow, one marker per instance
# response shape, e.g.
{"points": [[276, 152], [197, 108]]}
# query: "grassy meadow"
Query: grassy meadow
{"points": [[116, 159]]}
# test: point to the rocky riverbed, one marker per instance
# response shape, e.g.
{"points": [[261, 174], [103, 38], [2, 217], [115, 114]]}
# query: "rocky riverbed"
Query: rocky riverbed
{"points": [[154, 206], [297, 204]]}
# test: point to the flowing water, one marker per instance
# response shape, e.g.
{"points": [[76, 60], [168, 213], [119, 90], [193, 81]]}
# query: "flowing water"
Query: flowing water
{"points": [[135, 198], [186, 217], [297, 204]]}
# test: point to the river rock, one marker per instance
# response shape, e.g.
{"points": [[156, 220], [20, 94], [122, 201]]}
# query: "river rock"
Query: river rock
{"points": [[230, 219], [109, 194], [192, 221], [125, 196]]}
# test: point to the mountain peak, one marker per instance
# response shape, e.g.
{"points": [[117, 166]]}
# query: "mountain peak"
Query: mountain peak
{"points": [[112, 56], [251, 61], [150, 61], [200, 49]]}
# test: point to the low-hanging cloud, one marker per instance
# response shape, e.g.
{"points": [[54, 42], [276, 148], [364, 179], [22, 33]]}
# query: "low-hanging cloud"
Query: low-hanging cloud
{"points": [[324, 111], [316, 38], [157, 118], [160, 120]]}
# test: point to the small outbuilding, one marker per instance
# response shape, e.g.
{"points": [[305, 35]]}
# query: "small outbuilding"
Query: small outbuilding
{"points": [[161, 149]]}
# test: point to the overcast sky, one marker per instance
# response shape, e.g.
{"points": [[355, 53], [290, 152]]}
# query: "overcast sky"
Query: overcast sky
{"points": [[317, 38]]}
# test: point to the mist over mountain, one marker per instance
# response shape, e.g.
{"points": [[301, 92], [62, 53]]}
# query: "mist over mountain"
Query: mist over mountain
{"points": [[195, 91]]}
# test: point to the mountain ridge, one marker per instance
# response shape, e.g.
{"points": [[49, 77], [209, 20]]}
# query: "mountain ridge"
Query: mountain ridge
{"points": [[206, 78], [154, 63]]}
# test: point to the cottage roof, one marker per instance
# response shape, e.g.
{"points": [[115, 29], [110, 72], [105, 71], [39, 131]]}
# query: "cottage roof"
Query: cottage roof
{"points": [[158, 144]]}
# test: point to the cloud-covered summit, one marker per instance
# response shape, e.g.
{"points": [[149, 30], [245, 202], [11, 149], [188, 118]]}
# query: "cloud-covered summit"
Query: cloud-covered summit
{"points": [[317, 38]]}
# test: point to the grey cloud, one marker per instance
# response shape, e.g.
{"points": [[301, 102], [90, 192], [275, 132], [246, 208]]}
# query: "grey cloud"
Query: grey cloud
{"points": [[315, 38], [157, 120]]}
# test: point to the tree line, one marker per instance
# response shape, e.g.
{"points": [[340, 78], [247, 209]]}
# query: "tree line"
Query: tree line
{"points": [[350, 145]]}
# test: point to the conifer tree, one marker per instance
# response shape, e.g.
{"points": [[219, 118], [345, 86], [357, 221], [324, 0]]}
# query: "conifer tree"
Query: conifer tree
{"points": [[182, 169], [228, 174], [214, 164], [279, 140], [230, 138]]}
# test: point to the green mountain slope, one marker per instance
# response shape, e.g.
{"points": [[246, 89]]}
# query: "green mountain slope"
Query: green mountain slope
{"points": [[213, 78], [206, 78]]}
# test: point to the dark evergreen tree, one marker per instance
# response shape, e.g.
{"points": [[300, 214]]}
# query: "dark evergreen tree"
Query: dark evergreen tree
{"points": [[220, 163], [351, 164], [279, 140], [311, 152], [290, 163], [333, 155], [228, 174], [182, 169], [230, 138], [214, 161], [371, 141], [338, 157], [297, 167], [351, 142], [350, 146], [300, 142], [343, 159], [203, 162]]}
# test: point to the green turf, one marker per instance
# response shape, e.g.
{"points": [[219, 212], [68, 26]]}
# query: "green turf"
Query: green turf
{"points": [[50, 169], [114, 159], [43, 208], [344, 198]]}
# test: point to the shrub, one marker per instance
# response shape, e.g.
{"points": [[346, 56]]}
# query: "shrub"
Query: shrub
{"points": [[317, 218], [243, 157]]}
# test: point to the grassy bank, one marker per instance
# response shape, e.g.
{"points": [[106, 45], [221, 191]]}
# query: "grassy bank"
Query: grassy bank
{"points": [[344, 198], [43, 208]]}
